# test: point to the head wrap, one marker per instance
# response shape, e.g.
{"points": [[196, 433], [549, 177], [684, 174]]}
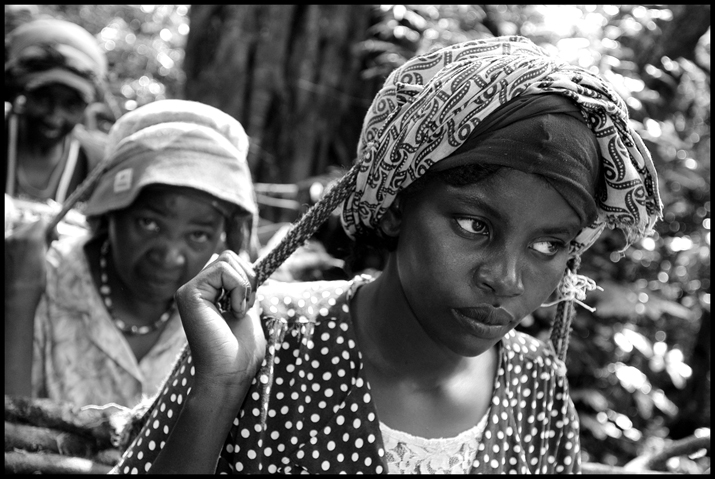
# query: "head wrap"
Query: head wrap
{"points": [[48, 51], [544, 135], [431, 105]]}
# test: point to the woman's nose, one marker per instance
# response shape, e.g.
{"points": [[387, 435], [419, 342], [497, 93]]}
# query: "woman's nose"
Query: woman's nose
{"points": [[169, 254], [55, 115], [500, 274]]}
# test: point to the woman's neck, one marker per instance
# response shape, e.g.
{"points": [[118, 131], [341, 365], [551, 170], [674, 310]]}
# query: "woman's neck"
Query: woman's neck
{"points": [[393, 341], [418, 386]]}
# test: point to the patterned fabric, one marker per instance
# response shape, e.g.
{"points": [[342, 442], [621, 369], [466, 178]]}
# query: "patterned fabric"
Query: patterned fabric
{"points": [[408, 454], [79, 355], [429, 106], [321, 418]]}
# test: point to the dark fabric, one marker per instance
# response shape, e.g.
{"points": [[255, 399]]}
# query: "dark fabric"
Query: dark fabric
{"points": [[540, 134]]}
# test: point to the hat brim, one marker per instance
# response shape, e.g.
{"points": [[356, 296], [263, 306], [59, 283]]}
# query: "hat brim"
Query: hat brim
{"points": [[84, 87]]}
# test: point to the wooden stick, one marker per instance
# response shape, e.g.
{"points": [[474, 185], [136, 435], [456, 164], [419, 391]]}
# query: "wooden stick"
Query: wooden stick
{"points": [[18, 462], [680, 447], [38, 439], [595, 468], [109, 456], [64, 416]]}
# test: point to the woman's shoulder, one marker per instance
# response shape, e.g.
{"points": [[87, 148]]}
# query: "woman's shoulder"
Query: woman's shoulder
{"points": [[274, 288], [302, 299], [67, 251], [527, 348], [69, 281], [308, 297]]}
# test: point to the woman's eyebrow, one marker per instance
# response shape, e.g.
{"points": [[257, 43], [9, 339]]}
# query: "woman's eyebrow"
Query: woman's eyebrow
{"points": [[570, 230], [477, 201]]}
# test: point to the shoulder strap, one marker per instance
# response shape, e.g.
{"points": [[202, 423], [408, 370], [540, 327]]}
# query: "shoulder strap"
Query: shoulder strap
{"points": [[92, 143]]}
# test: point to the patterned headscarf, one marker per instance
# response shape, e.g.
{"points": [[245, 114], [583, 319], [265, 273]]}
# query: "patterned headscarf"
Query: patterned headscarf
{"points": [[430, 105]]}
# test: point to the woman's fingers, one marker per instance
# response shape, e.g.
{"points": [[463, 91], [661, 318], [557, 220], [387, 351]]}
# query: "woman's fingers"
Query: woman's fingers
{"points": [[227, 348], [228, 274]]}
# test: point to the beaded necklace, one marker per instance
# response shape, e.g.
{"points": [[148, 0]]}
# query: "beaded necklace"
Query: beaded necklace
{"points": [[106, 292]]}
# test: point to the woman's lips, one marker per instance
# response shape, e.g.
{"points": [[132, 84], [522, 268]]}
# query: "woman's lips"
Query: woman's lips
{"points": [[160, 278], [485, 321], [488, 315]]}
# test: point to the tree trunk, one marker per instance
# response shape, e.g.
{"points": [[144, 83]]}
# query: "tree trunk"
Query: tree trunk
{"points": [[290, 74]]}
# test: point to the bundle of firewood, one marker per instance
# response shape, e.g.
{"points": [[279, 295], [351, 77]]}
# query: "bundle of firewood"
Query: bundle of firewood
{"points": [[45, 436]]}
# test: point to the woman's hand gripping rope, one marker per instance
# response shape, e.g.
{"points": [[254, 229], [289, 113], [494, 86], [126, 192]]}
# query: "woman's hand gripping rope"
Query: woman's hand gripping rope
{"points": [[230, 350], [227, 348]]}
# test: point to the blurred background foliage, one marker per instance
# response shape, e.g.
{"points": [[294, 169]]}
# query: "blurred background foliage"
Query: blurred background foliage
{"points": [[639, 365]]}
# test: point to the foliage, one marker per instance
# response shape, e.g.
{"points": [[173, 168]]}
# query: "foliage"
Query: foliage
{"points": [[639, 366]]}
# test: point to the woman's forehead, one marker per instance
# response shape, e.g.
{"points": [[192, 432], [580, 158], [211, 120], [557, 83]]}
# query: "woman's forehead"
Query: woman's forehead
{"points": [[192, 201], [509, 195]]}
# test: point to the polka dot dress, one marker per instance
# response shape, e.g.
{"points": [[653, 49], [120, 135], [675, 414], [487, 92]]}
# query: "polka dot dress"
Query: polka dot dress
{"points": [[310, 410]]}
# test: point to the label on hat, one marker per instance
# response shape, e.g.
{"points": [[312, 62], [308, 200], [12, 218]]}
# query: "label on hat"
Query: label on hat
{"points": [[123, 180]]}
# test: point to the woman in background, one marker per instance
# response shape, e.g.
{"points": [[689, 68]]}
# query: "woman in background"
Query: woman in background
{"points": [[53, 71], [101, 306]]}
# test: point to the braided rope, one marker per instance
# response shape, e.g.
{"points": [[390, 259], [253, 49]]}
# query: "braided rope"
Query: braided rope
{"points": [[565, 312], [306, 226]]}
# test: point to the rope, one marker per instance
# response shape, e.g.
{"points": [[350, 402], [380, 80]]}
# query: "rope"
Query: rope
{"points": [[79, 193], [306, 227], [572, 290]]}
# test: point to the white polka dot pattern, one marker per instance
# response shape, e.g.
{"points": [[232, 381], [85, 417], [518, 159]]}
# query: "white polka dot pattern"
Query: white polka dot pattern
{"points": [[309, 409]]}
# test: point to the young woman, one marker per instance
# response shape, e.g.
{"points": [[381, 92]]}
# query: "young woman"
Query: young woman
{"points": [[485, 170], [100, 306], [53, 71]]}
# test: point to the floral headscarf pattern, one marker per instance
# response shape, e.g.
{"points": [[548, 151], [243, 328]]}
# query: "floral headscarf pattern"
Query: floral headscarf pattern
{"points": [[429, 106]]}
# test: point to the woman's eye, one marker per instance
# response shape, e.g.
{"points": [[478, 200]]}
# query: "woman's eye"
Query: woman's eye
{"points": [[149, 224], [473, 226], [549, 248], [200, 237]]}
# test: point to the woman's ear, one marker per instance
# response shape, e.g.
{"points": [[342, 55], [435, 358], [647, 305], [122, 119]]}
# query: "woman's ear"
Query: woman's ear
{"points": [[392, 219]]}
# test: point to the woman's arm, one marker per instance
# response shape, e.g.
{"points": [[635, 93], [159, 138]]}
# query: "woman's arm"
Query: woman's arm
{"points": [[226, 351], [25, 283]]}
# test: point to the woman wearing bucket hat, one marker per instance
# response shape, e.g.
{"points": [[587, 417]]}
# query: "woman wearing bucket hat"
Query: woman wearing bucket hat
{"points": [[53, 70], [177, 189], [484, 169]]}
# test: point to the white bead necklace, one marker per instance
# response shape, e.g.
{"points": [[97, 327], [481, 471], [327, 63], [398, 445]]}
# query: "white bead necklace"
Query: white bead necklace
{"points": [[106, 292]]}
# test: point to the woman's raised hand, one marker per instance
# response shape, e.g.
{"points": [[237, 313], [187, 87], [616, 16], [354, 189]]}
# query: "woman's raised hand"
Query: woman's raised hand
{"points": [[25, 251], [25, 282], [227, 349]]}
